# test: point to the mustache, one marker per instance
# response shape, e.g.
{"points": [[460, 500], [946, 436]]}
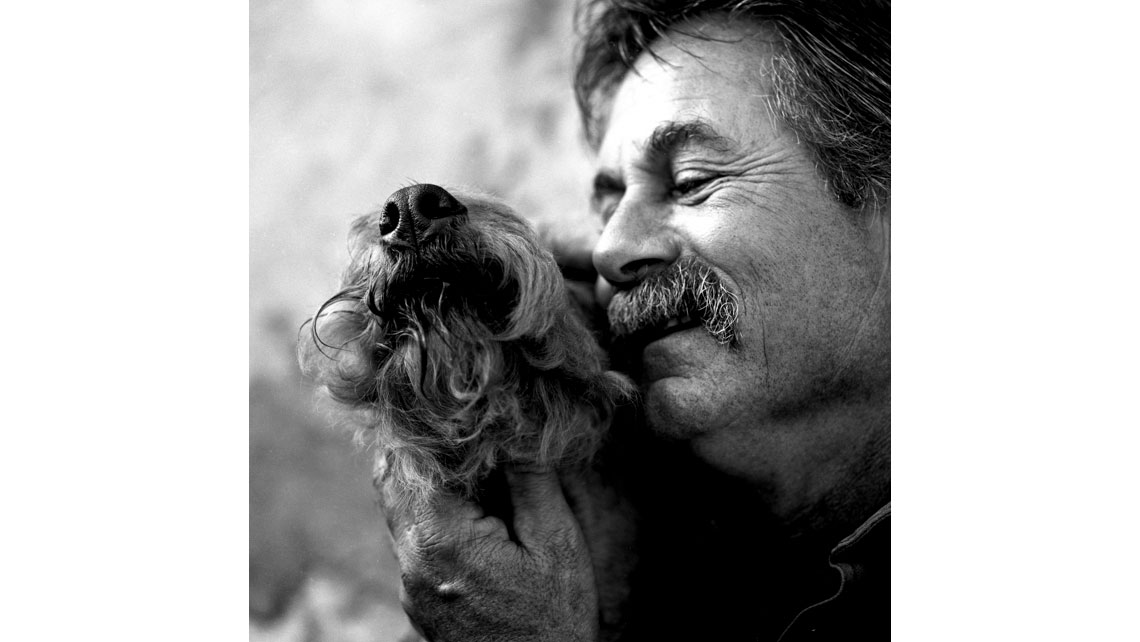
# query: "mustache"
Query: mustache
{"points": [[687, 288]]}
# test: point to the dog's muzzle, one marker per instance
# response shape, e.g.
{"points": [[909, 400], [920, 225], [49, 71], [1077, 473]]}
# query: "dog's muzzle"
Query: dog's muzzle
{"points": [[414, 214]]}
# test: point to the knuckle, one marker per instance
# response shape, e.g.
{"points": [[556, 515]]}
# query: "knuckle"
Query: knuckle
{"points": [[431, 539], [418, 592], [423, 541], [427, 562]]}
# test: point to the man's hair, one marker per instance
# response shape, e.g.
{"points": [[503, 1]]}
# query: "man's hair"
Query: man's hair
{"points": [[831, 82]]}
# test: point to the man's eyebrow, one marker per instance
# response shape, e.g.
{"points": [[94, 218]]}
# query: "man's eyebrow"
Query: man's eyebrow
{"points": [[665, 140], [671, 135]]}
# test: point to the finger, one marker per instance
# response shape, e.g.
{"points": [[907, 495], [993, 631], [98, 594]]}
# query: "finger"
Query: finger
{"points": [[540, 508], [450, 520], [444, 521]]}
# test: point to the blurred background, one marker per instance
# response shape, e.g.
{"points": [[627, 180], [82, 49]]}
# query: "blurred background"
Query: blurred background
{"points": [[350, 100]]}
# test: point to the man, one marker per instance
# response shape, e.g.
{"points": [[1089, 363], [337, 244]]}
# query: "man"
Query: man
{"points": [[743, 154]]}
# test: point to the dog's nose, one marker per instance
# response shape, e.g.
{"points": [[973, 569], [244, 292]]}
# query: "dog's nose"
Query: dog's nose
{"points": [[411, 211]]}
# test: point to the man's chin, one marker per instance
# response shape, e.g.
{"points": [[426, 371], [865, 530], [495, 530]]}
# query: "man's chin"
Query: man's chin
{"points": [[676, 382], [675, 408]]}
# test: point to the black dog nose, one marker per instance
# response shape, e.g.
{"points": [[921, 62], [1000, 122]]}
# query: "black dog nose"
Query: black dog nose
{"points": [[410, 211]]}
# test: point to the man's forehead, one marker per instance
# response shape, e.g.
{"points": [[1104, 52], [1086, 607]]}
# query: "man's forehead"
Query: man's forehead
{"points": [[713, 78]]}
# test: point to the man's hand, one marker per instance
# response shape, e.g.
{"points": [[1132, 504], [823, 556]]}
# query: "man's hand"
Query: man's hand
{"points": [[464, 578]]}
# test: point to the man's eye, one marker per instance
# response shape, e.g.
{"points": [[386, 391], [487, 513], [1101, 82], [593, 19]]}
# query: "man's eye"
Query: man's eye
{"points": [[687, 185], [605, 204]]}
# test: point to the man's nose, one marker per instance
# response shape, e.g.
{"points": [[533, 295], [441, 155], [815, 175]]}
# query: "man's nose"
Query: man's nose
{"points": [[410, 214], [633, 245]]}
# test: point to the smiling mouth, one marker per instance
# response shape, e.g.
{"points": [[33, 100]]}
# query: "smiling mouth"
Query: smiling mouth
{"points": [[664, 328]]}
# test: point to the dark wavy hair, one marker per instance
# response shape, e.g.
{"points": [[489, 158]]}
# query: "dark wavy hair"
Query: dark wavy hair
{"points": [[831, 83]]}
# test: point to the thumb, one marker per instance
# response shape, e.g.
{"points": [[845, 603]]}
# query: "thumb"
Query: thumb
{"points": [[540, 508]]}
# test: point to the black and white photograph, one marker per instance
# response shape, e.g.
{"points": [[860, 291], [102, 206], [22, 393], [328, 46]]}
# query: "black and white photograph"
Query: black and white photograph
{"points": [[565, 320], [570, 321]]}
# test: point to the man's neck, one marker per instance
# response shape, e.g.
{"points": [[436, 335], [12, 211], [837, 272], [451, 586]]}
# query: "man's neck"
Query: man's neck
{"points": [[779, 468], [712, 546]]}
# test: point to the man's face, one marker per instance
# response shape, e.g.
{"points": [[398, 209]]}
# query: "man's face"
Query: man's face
{"points": [[694, 166]]}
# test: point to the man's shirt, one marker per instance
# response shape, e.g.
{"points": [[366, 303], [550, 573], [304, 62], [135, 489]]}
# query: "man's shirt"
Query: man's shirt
{"points": [[861, 607]]}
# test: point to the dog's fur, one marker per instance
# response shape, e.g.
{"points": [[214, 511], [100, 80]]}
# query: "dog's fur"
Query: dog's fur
{"points": [[461, 354]]}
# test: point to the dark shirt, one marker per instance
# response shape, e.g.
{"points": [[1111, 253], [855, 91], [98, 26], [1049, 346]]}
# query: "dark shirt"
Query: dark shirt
{"points": [[861, 607]]}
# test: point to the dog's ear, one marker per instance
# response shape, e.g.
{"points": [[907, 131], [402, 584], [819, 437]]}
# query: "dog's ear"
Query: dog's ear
{"points": [[339, 349]]}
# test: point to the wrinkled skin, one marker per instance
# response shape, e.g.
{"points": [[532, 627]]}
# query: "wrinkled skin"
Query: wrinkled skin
{"points": [[467, 576], [797, 411], [545, 573]]}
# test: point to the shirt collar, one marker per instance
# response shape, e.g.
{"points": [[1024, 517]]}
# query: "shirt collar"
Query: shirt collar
{"points": [[881, 517]]}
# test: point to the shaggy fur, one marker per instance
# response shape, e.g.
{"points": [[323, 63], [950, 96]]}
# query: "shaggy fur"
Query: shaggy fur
{"points": [[461, 352]]}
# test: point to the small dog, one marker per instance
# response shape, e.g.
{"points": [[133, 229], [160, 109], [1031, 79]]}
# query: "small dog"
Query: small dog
{"points": [[455, 347]]}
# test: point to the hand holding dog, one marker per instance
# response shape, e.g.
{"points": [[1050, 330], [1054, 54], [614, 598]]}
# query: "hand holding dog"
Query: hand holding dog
{"points": [[464, 578]]}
